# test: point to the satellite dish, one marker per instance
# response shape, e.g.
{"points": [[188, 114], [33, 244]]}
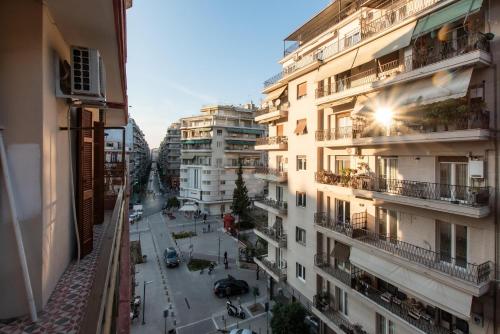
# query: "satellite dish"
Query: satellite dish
{"points": [[277, 102]]}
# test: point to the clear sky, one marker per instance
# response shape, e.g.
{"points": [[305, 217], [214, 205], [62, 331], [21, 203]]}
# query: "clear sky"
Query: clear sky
{"points": [[186, 53]]}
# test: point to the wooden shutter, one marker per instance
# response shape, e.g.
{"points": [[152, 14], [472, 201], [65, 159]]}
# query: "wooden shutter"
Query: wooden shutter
{"points": [[301, 90], [98, 172], [85, 182], [279, 130]]}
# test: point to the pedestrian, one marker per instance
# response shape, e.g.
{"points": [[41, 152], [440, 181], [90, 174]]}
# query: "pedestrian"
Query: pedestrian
{"points": [[226, 264], [208, 227]]}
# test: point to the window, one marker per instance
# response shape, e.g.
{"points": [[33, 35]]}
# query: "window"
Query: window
{"points": [[343, 211], [384, 326], [279, 194], [223, 182], [342, 163], [301, 90], [218, 162], [342, 301], [300, 235], [300, 271], [219, 144], [207, 172], [223, 192], [205, 192], [207, 182], [387, 224], [452, 243], [301, 199], [219, 132], [301, 128], [453, 176], [301, 162]]}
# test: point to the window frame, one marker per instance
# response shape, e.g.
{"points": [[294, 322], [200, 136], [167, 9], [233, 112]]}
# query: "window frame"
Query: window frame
{"points": [[302, 84], [301, 199], [300, 272], [300, 235], [301, 162]]}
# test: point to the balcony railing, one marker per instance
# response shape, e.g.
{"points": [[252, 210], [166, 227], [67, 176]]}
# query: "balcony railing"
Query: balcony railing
{"points": [[325, 304], [272, 140], [282, 107], [273, 234], [280, 271], [321, 261], [271, 171], [455, 194], [278, 205], [458, 268], [369, 27]]}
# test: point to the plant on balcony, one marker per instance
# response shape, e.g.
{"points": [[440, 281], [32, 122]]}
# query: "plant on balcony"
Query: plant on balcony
{"points": [[445, 113]]}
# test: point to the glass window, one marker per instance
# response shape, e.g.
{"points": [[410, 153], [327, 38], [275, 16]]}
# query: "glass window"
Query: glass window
{"points": [[444, 240], [300, 235], [342, 163], [301, 199], [461, 245], [300, 271], [343, 209], [301, 162]]}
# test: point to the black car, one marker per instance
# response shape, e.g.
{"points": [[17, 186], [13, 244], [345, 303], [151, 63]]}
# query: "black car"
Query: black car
{"points": [[230, 286], [171, 257]]}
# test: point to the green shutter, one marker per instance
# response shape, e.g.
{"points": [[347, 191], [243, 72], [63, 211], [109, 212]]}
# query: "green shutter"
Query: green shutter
{"points": [[248, 131], [446, 15], [240, 142]]}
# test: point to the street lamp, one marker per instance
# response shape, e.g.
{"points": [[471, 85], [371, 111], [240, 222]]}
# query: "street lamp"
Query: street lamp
{"points": [[144, 300]]}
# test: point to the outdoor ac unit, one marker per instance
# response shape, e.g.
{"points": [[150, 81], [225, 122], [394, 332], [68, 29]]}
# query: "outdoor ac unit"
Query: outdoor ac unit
{"points": [[476, 169], [87, 72]]}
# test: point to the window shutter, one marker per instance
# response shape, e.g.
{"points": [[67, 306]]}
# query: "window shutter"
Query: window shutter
{"points": [[301, 89], [99, 172], [85, 182]]}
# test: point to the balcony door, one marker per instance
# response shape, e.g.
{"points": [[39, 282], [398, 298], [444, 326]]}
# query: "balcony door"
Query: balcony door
{"points": [[279, 194], [387, 172], [387, 221], [344, 123], [453, 179], [452, 243], [343, 210], [280, 163], [279, 130], [278, 226]]}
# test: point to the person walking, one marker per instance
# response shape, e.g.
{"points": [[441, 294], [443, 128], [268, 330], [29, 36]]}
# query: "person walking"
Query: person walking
{"points": [[226, 264]]}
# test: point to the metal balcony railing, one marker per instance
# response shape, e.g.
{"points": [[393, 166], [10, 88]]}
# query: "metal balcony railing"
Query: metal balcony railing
{"points": [[278, 205], [321, 261], [271, 171], [282, 107], [272, 140], [458, 268], [274, 234], [324, 303], [457, 194], [280, 271]]}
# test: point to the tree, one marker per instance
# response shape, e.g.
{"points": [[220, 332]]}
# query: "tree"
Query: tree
{"points": [[255, 292], [173, 202], [288, 319], [241, 202]]}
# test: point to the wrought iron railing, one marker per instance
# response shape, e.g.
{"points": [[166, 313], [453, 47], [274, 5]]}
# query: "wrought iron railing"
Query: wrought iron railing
{"points": [[272, 233], [278, 205], [291, 48], [280, 271], [334, 134], [458, 268], [324, 303], [457, 194], [271, 171], [272, 140], [321, 261]]}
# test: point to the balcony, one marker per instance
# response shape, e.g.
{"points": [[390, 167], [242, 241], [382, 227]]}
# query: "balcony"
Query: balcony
{"points": [[321, 261], [271, 174], [278, 273], [272, 205], [271, 235], [456, 199], [272, 143], [198, 135], [272, 113], [371, 26], [477, 274], [324, 308], [245, 164]]}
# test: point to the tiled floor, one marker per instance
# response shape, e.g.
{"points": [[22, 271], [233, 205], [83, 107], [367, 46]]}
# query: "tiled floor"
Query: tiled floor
{"points": [[66, 306]]}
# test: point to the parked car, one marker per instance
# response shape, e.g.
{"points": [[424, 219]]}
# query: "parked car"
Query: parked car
{"points": [[242, 331], [171, 257], [230, 286]]}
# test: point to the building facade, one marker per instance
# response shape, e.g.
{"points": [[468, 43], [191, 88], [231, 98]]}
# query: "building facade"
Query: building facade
{"points": [[169, 156], [140, 155], [53, 140], [213, 144], [381, 141]]}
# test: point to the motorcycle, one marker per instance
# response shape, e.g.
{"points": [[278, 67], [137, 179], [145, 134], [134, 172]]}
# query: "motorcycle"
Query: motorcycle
{"points": [[211, 268], [136, 306], [235, 311]]}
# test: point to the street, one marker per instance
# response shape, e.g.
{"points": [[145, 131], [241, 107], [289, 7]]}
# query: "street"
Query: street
{"points": [[188, 295]]}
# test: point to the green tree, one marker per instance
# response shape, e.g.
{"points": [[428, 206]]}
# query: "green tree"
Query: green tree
{"points": [[241, 202], [173, 202], [288, 319]]}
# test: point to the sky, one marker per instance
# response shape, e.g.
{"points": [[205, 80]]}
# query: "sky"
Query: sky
{"points": [[182, 54]]}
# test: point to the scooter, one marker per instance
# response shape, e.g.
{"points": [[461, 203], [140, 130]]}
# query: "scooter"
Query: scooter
{"points": [[211, 268], [235, 311], [136, 306]]}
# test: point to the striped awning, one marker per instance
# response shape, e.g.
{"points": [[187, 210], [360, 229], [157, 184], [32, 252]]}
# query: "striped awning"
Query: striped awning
{"points": [[240, 142], [246, 130], [198, 141]]}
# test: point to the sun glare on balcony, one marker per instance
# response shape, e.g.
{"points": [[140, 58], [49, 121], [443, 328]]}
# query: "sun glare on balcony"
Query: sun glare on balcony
{"points": [[383, 115]]}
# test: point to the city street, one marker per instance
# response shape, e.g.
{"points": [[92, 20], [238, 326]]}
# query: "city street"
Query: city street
{"points": [[193, 307]]}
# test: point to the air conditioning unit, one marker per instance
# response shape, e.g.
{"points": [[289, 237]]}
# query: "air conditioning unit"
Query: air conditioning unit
{"points": [[84, 78], [476, 169]]}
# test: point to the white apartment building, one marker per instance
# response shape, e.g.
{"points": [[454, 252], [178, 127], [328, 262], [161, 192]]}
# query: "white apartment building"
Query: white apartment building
{"points": [[382, 141], [212, 146], [169, 157]]}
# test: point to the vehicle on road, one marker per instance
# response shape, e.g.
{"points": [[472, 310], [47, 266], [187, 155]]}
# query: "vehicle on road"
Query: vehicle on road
{"points": [[230, 286], [241, 331], [171, 257], [235, 311]]}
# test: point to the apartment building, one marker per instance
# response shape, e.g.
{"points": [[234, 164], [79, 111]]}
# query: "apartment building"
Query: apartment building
{"points": [[382, 141], [169, 157], [140, 154], [213, 144], [55, 107]]}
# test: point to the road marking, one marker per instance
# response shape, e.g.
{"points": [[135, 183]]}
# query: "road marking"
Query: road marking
{"points": [[187, 303], [193, 323]]}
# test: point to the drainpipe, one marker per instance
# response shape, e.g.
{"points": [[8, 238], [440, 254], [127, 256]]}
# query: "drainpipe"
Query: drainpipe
{"points": [[17, 231]]}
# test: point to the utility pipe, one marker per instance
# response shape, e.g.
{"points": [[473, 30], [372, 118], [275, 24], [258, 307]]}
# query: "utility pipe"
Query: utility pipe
{"points": [[17, 231]]}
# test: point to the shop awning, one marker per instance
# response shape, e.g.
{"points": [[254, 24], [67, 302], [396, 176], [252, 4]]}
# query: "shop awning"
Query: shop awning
{"points": [[384, 45], [446, 15], [248, 131], [429, 290], [275, 94], [301, 127], [240, 142], [341, 251], [336, 66], [197, 141]]}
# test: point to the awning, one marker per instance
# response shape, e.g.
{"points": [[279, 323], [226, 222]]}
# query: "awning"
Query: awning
{"points": [[197, 141], [431, 291], [363, 103], [188, 208], [341, 251], [341, 102], [446, 15], [187, 156], [275, 94], [248, 131], [240, 142], [301, 127], [384, 45], [336, 66]]}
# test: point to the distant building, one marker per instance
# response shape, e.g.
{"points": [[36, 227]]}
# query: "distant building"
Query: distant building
{"points": [[213, 143], [154, 154], [169, 156]]}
